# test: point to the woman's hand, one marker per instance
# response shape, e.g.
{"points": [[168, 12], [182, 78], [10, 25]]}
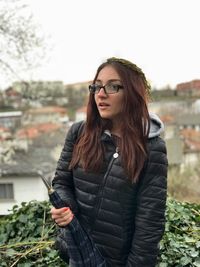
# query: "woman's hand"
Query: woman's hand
{"points": [[62, 217]]}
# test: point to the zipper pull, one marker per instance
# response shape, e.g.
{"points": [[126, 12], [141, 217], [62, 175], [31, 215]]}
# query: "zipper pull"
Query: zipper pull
{"points": [[116, 154]]}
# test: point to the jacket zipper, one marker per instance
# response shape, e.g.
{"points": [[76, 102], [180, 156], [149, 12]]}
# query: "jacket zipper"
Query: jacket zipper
{"points": [[100, 192]]}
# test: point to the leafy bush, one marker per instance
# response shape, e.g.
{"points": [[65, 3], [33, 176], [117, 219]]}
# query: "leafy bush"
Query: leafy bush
{"points": [[27, 236], [180, 245]]}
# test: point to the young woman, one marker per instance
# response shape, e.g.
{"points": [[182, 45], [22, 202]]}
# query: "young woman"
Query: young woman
{"points": [[112, 171]]}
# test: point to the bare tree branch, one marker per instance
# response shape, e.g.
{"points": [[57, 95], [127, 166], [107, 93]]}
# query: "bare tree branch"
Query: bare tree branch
{"points": [[21, 43]]}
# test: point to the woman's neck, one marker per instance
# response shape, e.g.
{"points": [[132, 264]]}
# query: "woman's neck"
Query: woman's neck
{"points": [[116, 131], [116, 127]]}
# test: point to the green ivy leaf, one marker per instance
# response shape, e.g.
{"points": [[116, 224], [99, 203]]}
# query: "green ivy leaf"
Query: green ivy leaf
{"points": [[197, 262], [184, 261]]}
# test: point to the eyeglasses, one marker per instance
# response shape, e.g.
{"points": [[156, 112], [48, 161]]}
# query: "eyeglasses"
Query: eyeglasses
{"points": [[109, 88]]}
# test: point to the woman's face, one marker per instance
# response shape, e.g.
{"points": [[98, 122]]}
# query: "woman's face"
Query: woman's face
{"points": [[109, 105]]}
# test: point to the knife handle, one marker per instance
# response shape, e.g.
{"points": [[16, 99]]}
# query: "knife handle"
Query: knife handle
{"points": [[56, 200]]}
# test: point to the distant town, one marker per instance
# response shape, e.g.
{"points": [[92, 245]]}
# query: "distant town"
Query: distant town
{"points": [[35, 117]]}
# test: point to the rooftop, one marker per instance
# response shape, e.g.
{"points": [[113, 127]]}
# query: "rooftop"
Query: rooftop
{"points": [[40, 156]]}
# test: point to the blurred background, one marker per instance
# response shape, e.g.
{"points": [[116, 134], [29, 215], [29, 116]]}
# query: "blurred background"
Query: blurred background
{"points": [[49, 52]]}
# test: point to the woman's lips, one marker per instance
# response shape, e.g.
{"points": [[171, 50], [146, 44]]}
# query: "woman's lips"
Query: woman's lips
{"points": [[103, 106]]}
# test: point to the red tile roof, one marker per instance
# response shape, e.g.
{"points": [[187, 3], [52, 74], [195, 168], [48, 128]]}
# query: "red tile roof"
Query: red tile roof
{"points": [[191, 139], [193, 145], [48, 109], [190, 134], [167, 118], [32, 132]]}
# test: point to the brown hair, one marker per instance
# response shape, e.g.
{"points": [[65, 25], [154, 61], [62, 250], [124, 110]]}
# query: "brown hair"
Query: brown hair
{"points": [[89, 149]]}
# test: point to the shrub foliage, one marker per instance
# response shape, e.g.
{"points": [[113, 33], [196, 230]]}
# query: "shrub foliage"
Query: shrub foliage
{"points": [[180, 245], [27, 236]]}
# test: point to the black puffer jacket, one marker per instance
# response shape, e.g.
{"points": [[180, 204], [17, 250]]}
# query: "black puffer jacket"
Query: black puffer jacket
{"points": [[126, 220]]}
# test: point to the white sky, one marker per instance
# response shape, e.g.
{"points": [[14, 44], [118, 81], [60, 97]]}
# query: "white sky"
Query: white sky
{"points": [[160, 36]]}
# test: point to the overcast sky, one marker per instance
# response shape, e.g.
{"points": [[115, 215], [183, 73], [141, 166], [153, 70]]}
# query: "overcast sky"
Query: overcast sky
{"points": [[160, 36]]}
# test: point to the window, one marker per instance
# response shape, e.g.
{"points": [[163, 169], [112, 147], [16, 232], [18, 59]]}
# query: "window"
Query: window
{"points": [[6, 191]]}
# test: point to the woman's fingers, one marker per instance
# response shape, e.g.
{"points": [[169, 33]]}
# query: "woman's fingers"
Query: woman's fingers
{"points": [[62, 216], [55, 213], [65, 220]]}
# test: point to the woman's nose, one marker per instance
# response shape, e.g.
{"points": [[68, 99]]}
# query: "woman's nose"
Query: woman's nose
{"points": [[102, 92]]}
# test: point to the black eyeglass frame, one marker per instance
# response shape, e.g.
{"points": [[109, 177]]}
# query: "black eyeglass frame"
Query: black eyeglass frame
{"points": [[95, 88]]}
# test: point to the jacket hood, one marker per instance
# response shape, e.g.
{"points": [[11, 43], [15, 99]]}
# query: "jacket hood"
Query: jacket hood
{"points": [[156, 125]]}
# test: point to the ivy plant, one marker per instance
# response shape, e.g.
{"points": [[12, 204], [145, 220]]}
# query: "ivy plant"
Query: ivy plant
{"points": [[180, 245], [27, 236]]}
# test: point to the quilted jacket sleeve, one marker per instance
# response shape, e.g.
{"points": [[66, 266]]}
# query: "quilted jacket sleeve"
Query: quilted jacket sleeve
{"points": [[63, 179], [151, 204]]}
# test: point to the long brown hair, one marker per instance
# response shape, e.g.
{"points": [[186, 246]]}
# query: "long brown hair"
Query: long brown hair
{"points": [[89, 149]]}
